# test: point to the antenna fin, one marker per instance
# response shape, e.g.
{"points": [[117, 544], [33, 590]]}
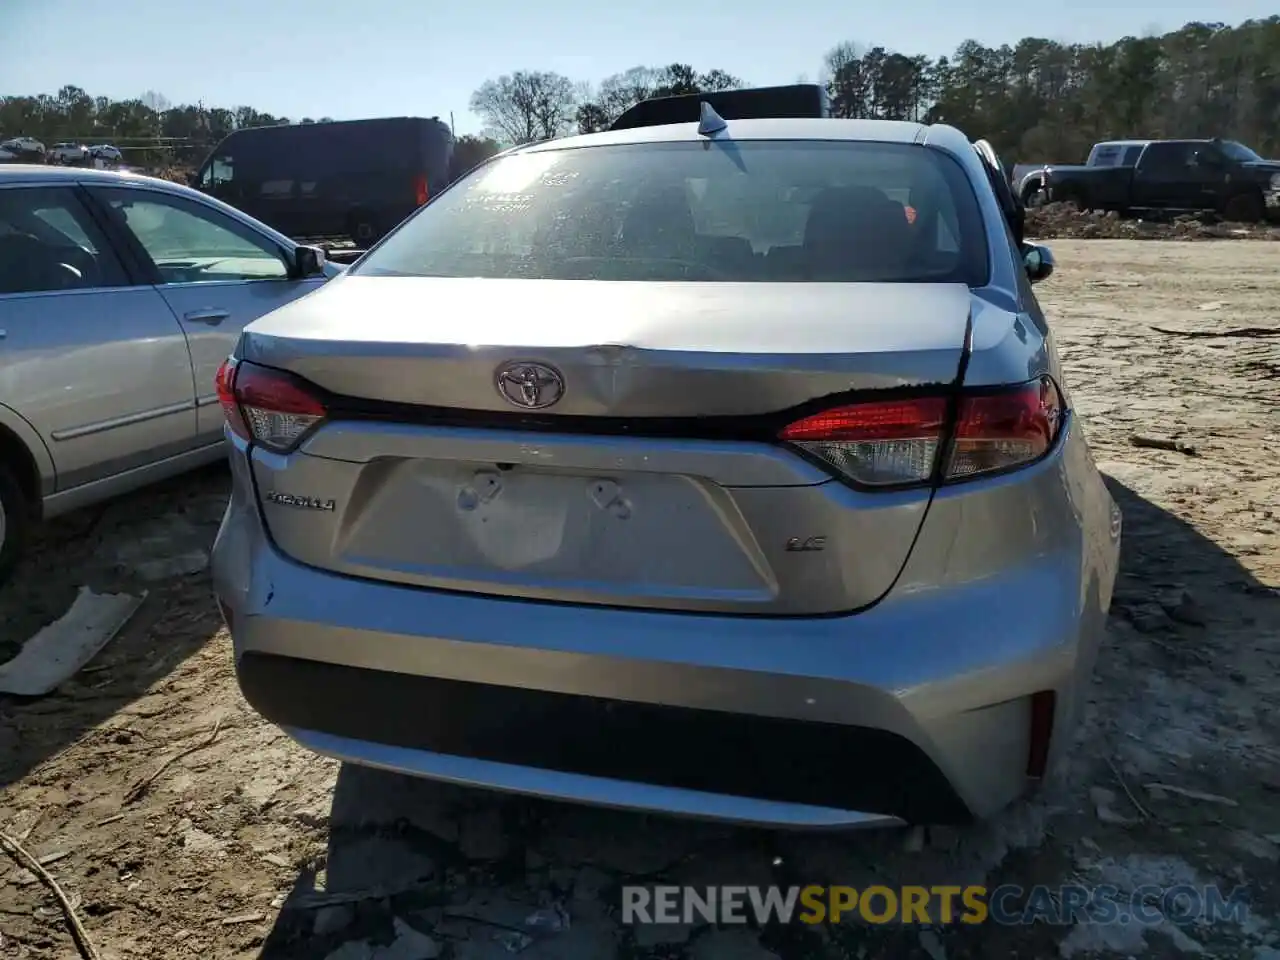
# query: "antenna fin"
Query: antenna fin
{"points": [[710, 122]]}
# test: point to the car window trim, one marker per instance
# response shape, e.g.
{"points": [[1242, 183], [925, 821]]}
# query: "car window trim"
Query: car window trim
{"points": [[138, 271], [75, 292], [99, 195]]}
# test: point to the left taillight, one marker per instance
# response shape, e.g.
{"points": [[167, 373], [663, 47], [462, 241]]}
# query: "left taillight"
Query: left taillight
{"points": [[877, 443], [895, 443], [268, 407]]}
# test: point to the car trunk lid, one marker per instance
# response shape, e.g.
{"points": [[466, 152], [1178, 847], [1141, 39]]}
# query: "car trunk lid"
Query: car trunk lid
{"points": [[652, 482]]}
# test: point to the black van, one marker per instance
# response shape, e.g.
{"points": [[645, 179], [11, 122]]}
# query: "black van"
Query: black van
{"points": [[799, 100], [354, 178]]}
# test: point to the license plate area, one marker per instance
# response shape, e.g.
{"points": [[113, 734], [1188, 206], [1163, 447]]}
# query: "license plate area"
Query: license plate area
{"points": [[629, 533]]}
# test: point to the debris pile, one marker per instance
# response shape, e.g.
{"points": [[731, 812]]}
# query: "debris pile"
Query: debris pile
{"points": [[1063, 221], [179, 174]]}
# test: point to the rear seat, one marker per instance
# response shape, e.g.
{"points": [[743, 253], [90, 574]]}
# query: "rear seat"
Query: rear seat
{"points": [[786, 263], [729, 255]]}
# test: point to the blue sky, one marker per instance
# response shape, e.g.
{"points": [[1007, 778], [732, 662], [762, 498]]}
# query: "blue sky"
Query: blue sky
{"points": [[360, 58]]}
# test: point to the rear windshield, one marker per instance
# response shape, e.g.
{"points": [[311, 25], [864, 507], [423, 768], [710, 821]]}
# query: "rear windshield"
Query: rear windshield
{"points": [[770, 211]]}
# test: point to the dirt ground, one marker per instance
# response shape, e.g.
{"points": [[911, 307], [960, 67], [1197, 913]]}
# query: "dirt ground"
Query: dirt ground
{"points": [[246, 846]]}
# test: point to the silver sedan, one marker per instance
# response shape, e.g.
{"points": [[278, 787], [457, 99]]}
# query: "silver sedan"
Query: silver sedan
{"points": [[724, 470], [119, 297]]}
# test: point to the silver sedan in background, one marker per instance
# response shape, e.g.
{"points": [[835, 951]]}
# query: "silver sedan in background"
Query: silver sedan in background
{"points": [[119, 297], [724, 470]]}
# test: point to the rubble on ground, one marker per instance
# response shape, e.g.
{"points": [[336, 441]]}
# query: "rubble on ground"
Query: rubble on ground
{"points": [[1063, 221]]}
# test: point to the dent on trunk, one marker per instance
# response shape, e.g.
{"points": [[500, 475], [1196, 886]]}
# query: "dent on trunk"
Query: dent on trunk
{"points": [[621, 349]]}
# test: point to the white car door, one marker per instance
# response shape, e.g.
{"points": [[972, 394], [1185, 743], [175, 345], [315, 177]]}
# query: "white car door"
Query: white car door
{"points": [[216, 273]]}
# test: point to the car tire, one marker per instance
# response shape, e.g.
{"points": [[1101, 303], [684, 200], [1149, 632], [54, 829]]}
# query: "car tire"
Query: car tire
{"points": [[1034, 196], [15, 521], [1244, 208]]}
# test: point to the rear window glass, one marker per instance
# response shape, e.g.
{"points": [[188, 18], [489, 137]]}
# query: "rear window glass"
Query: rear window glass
{"points": [[772, 211]]}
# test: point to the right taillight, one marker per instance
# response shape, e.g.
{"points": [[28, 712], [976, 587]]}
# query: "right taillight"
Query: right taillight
{"points": [[269, 407], [1002, 429], [894, 443]]}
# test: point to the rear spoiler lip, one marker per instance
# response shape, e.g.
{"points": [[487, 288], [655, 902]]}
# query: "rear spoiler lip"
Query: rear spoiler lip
{"points": [[799, 100]]}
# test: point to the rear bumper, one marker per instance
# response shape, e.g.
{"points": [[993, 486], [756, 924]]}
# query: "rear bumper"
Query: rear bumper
{"points": [[780, 761], [917, 710]]}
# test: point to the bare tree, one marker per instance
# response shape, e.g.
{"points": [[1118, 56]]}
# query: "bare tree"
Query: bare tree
{"points": [[847, 80], [621, 91], [156, 101], [527, 105]]}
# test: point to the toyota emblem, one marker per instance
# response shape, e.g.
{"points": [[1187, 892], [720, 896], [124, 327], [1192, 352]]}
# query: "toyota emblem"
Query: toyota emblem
{"points": [[531, 386]]}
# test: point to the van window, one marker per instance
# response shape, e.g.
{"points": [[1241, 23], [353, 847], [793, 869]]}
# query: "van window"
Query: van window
{"points": [[221, 170]]}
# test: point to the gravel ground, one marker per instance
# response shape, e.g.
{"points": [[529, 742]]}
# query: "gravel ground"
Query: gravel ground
{"points": [[243, 845]]}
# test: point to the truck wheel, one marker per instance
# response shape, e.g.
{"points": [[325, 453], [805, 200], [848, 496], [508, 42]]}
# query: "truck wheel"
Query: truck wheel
{"points": [[1073, 200], [1244, 208], [15, 521], [1034, 196], [363, 230]]}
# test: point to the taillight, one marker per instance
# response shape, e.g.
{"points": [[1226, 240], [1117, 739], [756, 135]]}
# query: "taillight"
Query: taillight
{"points": [[420, 192], [1005, 429], [892, 443], [878, 443], [267, 406], [224, 382]]}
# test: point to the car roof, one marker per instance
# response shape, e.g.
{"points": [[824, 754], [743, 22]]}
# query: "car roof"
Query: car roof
{"points": [[31, 174], [337, 128], [41, 173], [807, 128]]}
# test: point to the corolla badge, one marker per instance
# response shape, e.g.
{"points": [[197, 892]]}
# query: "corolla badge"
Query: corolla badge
{"points": [[305, 503], [532, 386]]}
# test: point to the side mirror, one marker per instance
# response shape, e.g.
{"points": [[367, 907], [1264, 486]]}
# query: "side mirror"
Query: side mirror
{"points": [[1038, 261], [308, 262]]}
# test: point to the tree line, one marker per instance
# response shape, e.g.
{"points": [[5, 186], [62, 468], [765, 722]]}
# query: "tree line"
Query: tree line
{"points": [[150, 130], [1036, 100]]}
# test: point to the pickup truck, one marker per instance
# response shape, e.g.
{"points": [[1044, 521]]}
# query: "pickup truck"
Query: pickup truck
{"points": [[1170, 175], [1030, 179]]}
